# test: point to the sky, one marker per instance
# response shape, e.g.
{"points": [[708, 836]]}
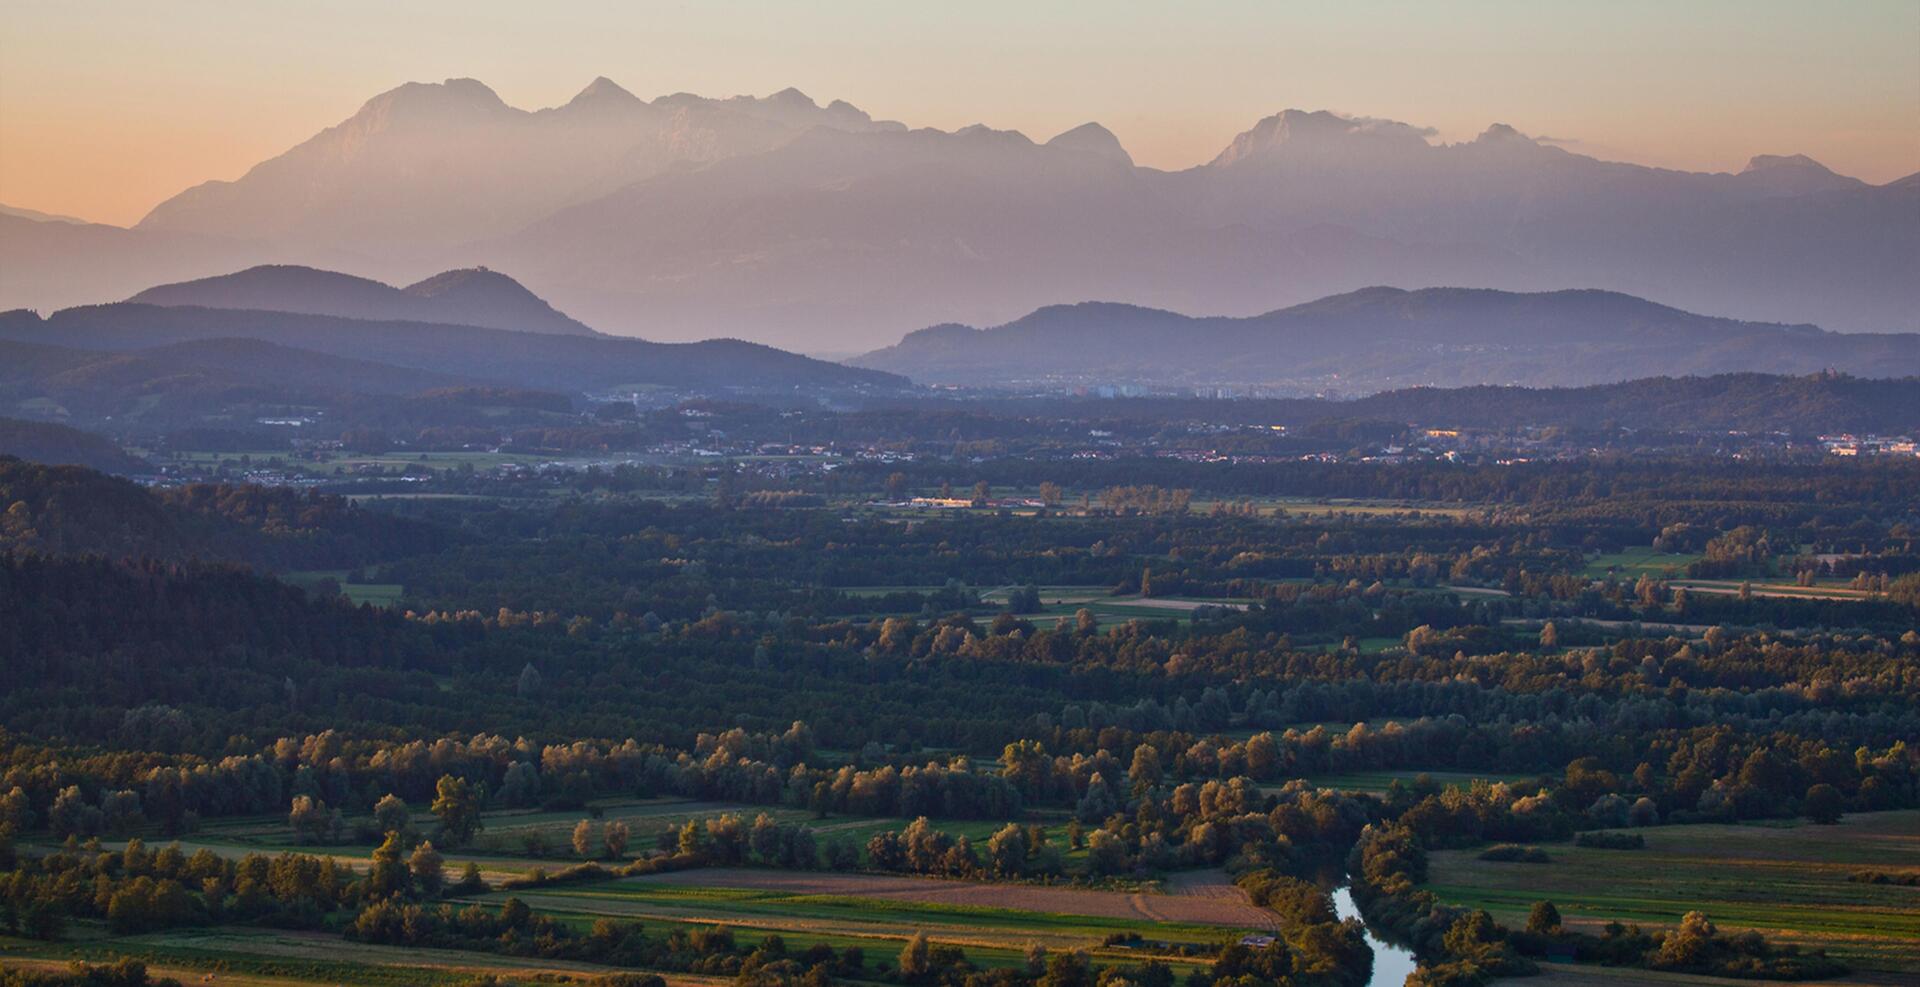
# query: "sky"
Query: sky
{"points": [[107, 108]]}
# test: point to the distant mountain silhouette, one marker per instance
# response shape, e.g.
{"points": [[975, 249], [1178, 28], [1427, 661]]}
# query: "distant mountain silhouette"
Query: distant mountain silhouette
{"points": [[432, 166], [436, 353], [778, 219], [36, 215], [835, 234], [51, 264], [1382, 338], [472, 297]]}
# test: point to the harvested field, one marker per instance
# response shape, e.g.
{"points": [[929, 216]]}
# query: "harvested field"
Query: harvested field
{"points": [[1210, 903]]}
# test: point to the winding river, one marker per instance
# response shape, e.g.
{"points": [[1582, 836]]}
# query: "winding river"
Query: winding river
{"points": [[1391, 964]]}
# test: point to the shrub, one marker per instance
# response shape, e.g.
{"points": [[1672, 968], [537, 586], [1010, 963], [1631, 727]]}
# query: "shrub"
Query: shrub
{"points": [[1515, 853]]}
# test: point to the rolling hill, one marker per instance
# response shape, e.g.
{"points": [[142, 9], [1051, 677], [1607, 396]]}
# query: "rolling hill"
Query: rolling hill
{"points": [[470, 297], [1382, 338], [431, 353], [59, 445]]}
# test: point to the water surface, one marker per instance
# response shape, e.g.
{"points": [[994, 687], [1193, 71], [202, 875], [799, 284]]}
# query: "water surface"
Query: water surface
{"points": [[1392, 965]]}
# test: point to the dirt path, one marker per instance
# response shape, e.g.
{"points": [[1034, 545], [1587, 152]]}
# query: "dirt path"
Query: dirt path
{"points": [[1159, 603]]}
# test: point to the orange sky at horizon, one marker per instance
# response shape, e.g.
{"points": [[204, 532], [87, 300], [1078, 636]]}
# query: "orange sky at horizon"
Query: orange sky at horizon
{"points": [[106, 109]]}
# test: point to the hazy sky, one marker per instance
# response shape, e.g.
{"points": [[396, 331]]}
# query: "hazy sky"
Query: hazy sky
{"points": [[108, 107]]}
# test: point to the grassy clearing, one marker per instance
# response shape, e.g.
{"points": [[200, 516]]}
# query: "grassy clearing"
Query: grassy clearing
{"points": [[1636, 562], [378, 594], [508, 832], [1787, 881]]}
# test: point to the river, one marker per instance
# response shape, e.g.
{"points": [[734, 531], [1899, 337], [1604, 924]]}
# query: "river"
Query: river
{"points": [[1391, 964]]}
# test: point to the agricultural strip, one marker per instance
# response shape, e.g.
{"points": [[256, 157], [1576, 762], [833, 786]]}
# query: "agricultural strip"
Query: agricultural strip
{"points": [[1786, 881]]}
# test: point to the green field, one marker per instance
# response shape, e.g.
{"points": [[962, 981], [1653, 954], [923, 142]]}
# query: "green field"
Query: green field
{"points": [[378, 594], [843, 920], [1832, 589], [993, 922], [1787, 881], [1633, 563]]}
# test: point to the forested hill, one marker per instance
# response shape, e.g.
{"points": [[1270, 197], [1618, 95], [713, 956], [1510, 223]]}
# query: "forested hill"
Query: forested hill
{"points": [[71, 510], [467, 297], [46, 442], [550, 361]]}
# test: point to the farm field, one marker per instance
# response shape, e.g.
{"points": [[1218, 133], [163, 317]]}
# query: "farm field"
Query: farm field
{"points": [[274, 958], [1787, 881], [1308, 507], [993, 922], [1833, 590], [1195, 898], [1590, 975]]}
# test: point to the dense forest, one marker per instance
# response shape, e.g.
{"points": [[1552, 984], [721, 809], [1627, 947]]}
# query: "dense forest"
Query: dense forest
{"points": [[172, 661]]}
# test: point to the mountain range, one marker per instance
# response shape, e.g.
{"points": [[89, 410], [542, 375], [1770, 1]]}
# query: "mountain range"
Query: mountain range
{"points": [[267, 339], [1378, 339], [567, 363], [817, 227]]}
